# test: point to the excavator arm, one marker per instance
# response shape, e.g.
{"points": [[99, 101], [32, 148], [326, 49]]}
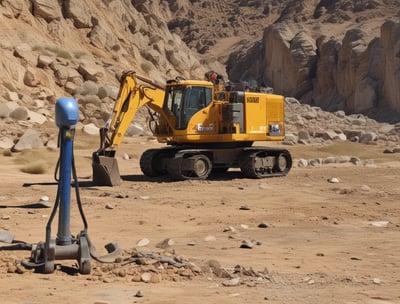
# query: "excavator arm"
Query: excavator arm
{"points": [[131, 98]]}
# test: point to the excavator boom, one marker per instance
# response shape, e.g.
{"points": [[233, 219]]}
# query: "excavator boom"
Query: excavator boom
{"points": [[131, 97]]}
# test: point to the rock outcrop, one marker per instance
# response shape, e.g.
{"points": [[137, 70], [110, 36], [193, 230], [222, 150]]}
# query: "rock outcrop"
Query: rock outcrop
{"points": [[356, 70]]}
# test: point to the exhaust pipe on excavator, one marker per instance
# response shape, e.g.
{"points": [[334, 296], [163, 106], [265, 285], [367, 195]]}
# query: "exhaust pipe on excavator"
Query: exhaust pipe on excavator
{"points": [[105, 170]]}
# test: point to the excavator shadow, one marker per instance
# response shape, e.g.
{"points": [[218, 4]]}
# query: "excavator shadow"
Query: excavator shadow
{"points": [[226, 176], [143, 178], [81, 184]]}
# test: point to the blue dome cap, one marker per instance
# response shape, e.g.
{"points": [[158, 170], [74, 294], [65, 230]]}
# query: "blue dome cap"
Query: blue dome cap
{"points": [[67, 112]]}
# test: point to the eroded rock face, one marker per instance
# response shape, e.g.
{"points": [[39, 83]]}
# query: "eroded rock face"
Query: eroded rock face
{"points": [[390, 41], [290, 59], [55, 48], [357, 74]]}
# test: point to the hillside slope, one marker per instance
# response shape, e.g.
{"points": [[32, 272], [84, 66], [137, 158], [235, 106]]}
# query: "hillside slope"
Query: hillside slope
{"points": [[333, 54]]}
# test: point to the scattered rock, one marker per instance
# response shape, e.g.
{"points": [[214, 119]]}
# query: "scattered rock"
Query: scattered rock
{"points": [[146, 277], [365, 188], [45, 202], [210, 238], [165, 243], [355, 258], [314, 162], [20, 113], [247, 244], [230, 229], [381, 224], [302, 163], [29, 140], [109, 206], [231, 282], [90, 129], [143, 242], [6, 237]]}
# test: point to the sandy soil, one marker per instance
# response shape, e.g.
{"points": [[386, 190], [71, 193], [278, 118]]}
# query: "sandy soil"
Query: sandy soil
{"points": [[321, 242]]}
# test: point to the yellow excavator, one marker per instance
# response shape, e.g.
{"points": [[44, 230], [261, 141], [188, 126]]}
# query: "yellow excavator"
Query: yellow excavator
{"points": [[208, 127]]}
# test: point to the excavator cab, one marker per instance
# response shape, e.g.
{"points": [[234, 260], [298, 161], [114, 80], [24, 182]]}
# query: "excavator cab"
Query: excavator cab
{"points": [[183, 101]]}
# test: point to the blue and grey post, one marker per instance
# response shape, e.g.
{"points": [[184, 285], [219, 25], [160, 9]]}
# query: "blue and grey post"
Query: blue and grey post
{"points": [[65, 246], [67, 115]]}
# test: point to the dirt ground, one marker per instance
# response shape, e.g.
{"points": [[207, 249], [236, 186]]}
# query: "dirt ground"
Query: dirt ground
{"points": [[313, 241]]}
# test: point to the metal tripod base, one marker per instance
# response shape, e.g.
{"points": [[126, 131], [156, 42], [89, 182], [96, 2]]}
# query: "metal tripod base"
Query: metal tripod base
{"points": [[44, 255]]}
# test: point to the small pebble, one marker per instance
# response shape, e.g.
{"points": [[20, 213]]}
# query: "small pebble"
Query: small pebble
{"points": [[145, 277], [45, 201], [210, 238], [231, 282], [247, 244], [229, 229], [355, 258], [165, 243], [139, 294], [143, 242]]}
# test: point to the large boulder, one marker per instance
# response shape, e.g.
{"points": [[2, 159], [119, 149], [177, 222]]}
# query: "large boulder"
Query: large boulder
{"points": [[29, 140], [289, 59], [79, 12], [49, 10]]}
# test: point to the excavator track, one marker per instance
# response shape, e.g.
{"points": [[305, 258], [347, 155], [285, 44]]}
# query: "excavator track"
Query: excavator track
{"points": [[153, 162], [197, 164], [148, 163], [190, 166], [265, 162]]}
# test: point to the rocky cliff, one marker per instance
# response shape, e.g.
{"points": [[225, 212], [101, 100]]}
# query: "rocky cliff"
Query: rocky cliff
{"points": [[338, 55]]}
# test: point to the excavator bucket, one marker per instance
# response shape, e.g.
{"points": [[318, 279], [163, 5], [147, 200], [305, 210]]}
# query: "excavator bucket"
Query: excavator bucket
{"points": [[105, 171]]}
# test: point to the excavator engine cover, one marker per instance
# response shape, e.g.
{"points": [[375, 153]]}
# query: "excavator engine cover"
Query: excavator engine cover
{"points": [[105, 171]]}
